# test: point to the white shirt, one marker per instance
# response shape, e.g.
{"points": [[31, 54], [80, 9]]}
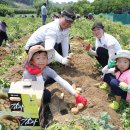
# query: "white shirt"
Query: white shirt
{"points": [[43, 10], [50, 34], [106, 41]]}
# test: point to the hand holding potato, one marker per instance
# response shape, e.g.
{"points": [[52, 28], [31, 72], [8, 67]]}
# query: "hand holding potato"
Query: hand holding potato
{"points": [[80, 99], [75, 110], [123, 86], [70, 55]]}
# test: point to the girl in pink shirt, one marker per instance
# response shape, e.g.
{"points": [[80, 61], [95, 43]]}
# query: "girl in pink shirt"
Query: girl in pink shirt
{"points": [[118, 78]]}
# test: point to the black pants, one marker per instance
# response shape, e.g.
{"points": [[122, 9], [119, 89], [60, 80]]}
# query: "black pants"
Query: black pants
{"points": [[114, 84], [58, 48], [1, 42], [102, 56], [45, 114]]}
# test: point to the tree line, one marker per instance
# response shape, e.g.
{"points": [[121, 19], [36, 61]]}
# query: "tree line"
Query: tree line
{"points": [[82, 7]]}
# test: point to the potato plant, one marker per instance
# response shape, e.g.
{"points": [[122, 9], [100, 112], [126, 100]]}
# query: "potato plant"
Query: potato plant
{"points": [[18, 27], [82, 28], [85, 123]]}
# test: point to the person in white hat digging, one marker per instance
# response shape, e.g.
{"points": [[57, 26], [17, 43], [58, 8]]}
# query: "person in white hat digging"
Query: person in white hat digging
{"points": [[118, 78], [36, 69]]}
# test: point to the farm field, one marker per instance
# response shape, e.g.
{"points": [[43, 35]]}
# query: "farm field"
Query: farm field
{"points": [[84, 73]]}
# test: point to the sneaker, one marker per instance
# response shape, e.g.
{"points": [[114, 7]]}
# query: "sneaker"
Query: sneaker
{"points": [[103, 86], [114, 105], [110, 97]]}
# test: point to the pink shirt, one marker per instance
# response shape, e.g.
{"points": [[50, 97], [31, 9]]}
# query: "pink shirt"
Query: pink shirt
{"points": [[124, 77]]}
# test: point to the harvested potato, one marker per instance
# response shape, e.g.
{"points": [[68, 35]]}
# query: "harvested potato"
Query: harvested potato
{"points": [[4, 103], [80, 106], [79, 89], [74, 110], [10, 122], [61, 95], [71, 55]]}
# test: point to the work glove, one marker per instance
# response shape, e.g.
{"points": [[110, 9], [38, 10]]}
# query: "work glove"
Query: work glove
{"points": [[80, 99], [123, 86], [65, 61], [111, 63]]}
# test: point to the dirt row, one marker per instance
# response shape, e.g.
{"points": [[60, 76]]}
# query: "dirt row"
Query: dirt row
{"points": [[84, 74]]}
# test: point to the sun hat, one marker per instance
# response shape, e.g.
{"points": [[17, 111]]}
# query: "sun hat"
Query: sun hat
{"points": [[3, 26], [36, 48], [97, 25], [68, 15], [123, 53]]}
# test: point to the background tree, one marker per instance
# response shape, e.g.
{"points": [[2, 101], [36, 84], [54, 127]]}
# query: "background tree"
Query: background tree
{"points": [[82, 7], [107, 6], [37, 5]]}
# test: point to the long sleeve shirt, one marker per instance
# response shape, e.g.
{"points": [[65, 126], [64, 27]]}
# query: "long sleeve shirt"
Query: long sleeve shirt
{"points": [[48, 72], [49, 35]]}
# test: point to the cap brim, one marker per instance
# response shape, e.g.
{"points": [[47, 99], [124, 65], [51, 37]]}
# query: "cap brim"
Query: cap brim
{"points": [[96, 27], [69, 19]]}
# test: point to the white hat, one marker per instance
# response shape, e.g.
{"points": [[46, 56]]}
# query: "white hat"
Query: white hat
{"points": [[36, 48], [123, 53]]}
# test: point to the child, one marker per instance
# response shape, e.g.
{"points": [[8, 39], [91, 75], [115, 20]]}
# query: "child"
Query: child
{"points": [[120, 83], [36, 69]]}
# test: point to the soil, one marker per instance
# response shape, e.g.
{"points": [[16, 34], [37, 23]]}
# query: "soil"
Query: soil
{"points": [[83, 73]]}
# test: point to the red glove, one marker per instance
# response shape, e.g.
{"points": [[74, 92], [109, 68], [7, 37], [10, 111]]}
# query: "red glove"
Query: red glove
{"points": [[88, 47], [80, 99]]}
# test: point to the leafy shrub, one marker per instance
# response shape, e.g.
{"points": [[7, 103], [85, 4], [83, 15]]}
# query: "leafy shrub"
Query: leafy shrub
{"points": [[4, 10]]}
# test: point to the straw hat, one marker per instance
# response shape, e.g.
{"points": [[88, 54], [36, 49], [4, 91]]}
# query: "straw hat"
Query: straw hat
{"points": [[36, 48]]}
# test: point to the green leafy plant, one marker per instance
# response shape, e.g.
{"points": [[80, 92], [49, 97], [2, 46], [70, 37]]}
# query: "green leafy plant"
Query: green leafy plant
{"points": [[91, 123], [2, 127], [4, 83], [125, 118], [99, 124]]}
